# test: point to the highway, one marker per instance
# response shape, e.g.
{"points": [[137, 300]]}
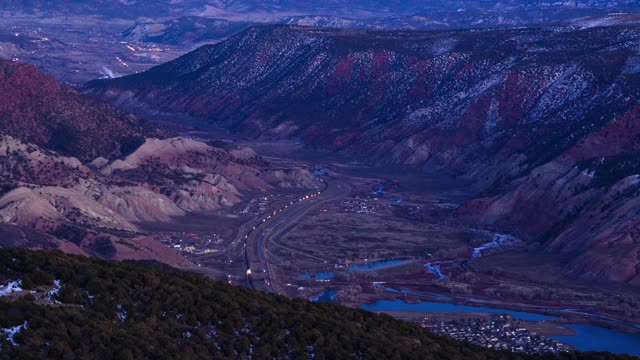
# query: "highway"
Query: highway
{"points": [[255, 238]]}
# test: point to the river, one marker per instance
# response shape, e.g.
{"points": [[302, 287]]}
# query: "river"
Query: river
{"points": [[499, 240], [435, 269], [379, 190], [587, 338], [596, 338]]}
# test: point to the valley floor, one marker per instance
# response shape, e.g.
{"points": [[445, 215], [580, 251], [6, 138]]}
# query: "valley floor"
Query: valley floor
{"points": [[388, 240]]}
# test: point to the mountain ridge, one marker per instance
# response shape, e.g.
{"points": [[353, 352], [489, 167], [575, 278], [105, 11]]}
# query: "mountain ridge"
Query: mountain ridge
{"points": [[516, 110]]}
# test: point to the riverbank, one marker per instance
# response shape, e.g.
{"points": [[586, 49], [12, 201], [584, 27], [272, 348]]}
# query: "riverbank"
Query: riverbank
{"points": [[557, 324]]}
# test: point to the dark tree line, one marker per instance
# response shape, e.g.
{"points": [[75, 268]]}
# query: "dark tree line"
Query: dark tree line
{"points": [[111, 310]]}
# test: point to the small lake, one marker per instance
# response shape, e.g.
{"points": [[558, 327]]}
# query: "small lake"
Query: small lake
{"points": [[438, 307], [377, 265], [326, 296], [596, 338], [379, 190], [322, 275]]}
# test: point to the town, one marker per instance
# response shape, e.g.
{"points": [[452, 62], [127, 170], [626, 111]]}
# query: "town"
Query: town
{"points": [[196, 243], [365, 205], [496, 332]]}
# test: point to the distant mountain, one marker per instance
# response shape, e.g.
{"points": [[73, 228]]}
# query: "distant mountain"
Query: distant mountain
{"points": [[103, 8], [268, 9], [184, 30], [194, 30], [543, 118]]}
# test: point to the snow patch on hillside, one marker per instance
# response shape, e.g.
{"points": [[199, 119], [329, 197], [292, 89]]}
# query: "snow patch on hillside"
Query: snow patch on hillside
{"points": [[10, 333], [53, 293], [493, 117], [633, 64], [11, 287]]}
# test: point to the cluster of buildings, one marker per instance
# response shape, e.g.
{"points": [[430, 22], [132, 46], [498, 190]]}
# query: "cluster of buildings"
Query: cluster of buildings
{"points": [[192, 243], [358, 206], [496, 332]]}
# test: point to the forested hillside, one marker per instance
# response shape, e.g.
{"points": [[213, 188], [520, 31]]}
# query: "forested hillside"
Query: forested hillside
{"points": [[62, 306]]}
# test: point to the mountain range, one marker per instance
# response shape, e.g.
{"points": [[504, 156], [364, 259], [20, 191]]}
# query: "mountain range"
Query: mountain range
{"points": [[264, 9], [201, 30], [454, 11], [128, 37], [470, 154], [544, 119]]}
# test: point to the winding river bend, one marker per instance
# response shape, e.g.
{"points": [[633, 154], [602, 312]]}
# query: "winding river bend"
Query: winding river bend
{"points": [[499, 240], [379, 190], [435, 267]]}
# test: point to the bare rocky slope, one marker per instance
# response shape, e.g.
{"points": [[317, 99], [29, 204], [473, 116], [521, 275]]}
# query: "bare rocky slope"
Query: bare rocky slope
{"points": [[93, 202], [545, 119]]}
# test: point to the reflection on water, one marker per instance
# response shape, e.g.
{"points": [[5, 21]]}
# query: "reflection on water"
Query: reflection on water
{"points": [[596, 338], [377, 265], [322, 275], [326, 296], [588, 337]]}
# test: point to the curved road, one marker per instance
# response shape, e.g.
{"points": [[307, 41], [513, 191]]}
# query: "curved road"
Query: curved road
{"points": [[256, 265], [277, 223]]}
